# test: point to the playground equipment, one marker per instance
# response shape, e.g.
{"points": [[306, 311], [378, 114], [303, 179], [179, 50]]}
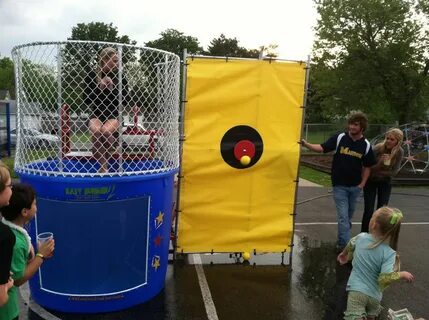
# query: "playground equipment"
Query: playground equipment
{"points": [[112, 226]]}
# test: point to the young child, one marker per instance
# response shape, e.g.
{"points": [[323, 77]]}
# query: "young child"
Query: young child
{"points": [[7, 238], [375, 264], [21, 209]]}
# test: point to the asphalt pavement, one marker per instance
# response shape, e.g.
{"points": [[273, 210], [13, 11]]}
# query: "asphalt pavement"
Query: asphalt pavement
{"points": [[307, 285]]}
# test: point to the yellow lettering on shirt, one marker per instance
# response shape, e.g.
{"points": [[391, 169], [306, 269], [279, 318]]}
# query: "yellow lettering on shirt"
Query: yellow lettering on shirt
{"points": [[346, 150]]}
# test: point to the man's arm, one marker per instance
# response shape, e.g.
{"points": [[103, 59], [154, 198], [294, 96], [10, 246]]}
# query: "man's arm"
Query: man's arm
{"points": [[313, 147]]}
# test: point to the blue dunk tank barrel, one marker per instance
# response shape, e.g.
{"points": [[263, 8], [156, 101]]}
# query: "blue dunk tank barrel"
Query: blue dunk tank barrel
{"points": [[111, 218], [111, 240]]}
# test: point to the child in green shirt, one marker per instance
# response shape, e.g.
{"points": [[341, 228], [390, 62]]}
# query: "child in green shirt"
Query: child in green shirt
{"points": [[21, 209]]}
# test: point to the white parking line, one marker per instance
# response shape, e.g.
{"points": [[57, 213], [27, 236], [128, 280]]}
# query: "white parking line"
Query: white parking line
{"points": [[205, 290]]}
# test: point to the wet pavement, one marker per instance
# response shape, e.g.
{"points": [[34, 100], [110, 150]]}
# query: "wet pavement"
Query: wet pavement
{"points": [[311, 287]]}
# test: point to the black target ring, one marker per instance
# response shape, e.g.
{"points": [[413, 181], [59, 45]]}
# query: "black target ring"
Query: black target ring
{"points": [[241, 141]]}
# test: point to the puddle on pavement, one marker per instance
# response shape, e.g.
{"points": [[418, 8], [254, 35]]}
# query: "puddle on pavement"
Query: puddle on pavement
{"points": [[321, 277]]}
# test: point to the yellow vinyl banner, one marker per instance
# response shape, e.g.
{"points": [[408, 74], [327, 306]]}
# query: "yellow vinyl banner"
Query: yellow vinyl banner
{"points": [[240, 155]]}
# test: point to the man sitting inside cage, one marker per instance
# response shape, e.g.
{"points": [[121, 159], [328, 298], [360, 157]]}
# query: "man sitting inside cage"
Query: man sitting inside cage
{"points": [[105, 99]]}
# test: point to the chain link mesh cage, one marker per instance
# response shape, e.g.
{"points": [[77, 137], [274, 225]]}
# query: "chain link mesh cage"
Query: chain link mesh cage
{"points": [[96, 109]]}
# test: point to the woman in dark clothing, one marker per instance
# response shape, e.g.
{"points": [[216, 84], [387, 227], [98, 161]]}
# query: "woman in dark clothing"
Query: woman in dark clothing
{"points": [[389, 155], [105, 93]]}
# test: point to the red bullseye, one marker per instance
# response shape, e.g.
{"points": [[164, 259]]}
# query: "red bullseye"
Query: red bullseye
{"points": [[241, 147], [244, 148]]}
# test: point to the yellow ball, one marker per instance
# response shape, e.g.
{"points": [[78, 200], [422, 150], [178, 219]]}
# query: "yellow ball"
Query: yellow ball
{"points": [[245, 160], [246, 256]]}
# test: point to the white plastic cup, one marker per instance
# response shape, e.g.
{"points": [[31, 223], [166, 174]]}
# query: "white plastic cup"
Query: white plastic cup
{"points": [[44, 236], [386, 161]]}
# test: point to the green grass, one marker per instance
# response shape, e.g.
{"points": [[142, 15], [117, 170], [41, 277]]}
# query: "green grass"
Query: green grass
{"points": [[315, 176], [81, 137], [31, 156], [9, 162]]}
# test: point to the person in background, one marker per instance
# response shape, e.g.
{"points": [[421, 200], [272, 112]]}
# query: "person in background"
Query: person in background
{"points": [[388, 154], [375, 264], [7, 238], [351, 165], [21, 209]]}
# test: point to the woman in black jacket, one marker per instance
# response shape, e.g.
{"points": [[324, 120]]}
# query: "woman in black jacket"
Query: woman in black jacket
{"points": [[103, 94], [389, 154]]}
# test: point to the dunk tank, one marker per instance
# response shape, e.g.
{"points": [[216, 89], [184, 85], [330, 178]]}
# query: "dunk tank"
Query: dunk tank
{"points": [[111, 227]]}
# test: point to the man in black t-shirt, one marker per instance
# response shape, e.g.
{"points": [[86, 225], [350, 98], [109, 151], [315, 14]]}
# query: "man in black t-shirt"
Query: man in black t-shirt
{"points": [[7, 241], [351, 165]]}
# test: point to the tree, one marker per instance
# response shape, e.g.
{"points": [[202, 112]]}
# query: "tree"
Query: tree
{"points": [[7, 80], [423, 5], [269, 51], [39, 85], [228, 47], [87, 54], [370, 55], [99, 31], [175, 41]]}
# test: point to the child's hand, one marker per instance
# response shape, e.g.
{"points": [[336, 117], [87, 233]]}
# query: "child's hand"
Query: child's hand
{"points": [[47, 248], [407, 276], [9, 282], [343, 258]]}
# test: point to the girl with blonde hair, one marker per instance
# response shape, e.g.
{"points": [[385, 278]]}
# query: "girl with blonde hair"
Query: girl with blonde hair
{"points": [[389, 154], [103, 95], [375, 264]]}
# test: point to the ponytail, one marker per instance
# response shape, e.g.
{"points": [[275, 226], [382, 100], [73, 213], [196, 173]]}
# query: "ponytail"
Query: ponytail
{"points": [[389, 225]]}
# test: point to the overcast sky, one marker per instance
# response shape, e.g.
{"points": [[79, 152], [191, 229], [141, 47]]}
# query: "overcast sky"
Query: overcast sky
{"points": [[288, 23]]}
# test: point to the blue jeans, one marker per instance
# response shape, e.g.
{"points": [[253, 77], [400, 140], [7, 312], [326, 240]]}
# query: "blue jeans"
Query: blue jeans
{"points": [[345, 202]]}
